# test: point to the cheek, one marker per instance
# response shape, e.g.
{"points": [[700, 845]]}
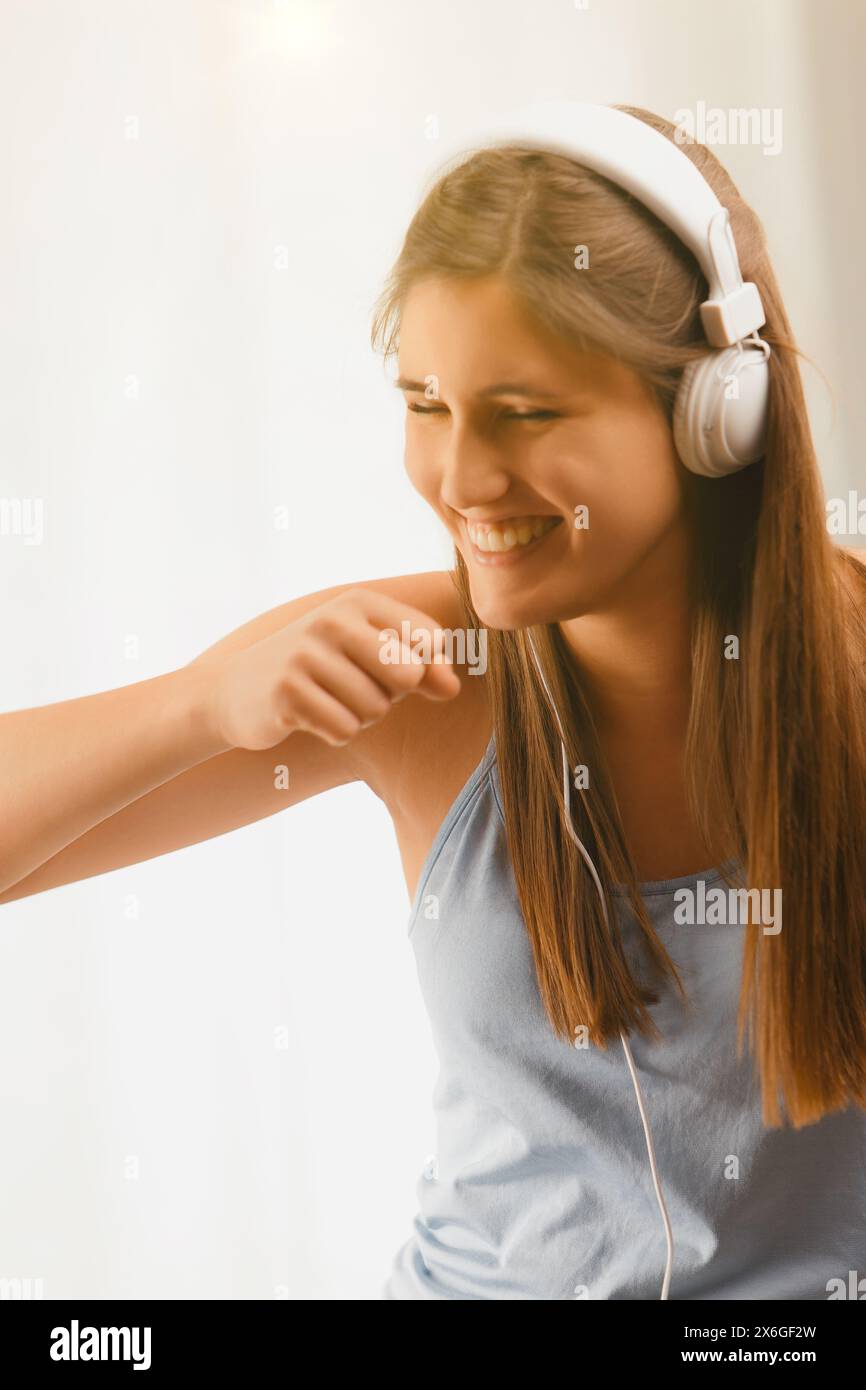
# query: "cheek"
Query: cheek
{"points": [[638, 504], [630, 481]]}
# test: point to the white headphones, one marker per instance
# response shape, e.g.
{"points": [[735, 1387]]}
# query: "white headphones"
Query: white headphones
{"points": [[720, 414]]}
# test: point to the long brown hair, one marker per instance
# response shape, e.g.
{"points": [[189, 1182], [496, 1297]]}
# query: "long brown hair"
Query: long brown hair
{"points": [[775, 760]]}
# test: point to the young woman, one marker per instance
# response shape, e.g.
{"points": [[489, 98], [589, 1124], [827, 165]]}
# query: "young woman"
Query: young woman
{"points": [[600, 1122]]}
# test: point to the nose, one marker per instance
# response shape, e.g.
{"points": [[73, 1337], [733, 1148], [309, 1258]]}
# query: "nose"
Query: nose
{"points": [[472, 471]]}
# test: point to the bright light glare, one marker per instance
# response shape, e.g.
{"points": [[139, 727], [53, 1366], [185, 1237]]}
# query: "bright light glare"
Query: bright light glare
{"points": [[297, 29]]}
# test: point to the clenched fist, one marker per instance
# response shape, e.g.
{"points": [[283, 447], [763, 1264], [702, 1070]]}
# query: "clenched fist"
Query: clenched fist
{"points": [[324, 673]]}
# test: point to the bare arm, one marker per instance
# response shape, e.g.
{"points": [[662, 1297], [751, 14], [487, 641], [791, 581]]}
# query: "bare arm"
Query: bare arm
{"points": [[69, 765], [112, 779]]}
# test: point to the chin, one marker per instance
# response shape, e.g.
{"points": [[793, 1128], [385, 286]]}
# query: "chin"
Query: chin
{"points": [[506, 613]]}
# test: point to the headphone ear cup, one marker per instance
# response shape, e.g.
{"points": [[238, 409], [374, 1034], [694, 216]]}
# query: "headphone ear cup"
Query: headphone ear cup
{"points": [[716, 430]]}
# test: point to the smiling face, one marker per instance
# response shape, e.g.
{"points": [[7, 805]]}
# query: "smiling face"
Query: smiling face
{"points": [[554, 470]]}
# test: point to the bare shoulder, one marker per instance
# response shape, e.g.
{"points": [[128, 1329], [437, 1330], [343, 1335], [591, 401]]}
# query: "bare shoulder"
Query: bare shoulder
{"points": [[432, 591]]}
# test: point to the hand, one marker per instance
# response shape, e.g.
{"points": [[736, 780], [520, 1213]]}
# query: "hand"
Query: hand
{"points": [[325, 674]]}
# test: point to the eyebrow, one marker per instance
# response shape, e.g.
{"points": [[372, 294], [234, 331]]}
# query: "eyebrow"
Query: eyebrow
{"points": [[500, 388]]}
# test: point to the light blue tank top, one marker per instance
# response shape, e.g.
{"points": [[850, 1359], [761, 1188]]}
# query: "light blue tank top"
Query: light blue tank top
{"points": [[541, 1187]]}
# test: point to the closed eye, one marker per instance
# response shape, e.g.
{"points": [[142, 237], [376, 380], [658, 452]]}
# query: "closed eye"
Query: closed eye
{"points": [[514, 414]]}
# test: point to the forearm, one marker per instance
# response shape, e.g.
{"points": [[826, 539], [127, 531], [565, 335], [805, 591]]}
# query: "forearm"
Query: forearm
{"points": [[65, 767]]}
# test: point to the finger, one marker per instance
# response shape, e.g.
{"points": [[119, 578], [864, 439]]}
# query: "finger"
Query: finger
{"points": [[317, 711], [348, 683]]}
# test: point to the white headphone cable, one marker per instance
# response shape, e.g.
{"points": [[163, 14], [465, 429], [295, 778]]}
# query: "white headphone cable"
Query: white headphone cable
{"points": [[669, 1238]]}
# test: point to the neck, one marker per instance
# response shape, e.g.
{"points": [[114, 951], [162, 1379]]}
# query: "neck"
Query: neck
{"points": [[634, 656]]}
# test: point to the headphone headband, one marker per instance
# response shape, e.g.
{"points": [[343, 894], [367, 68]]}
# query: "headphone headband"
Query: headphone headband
{"points": [[654, 170]]}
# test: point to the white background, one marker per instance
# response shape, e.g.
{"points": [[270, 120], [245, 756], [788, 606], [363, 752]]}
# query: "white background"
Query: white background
{"points": [[164, 387]]}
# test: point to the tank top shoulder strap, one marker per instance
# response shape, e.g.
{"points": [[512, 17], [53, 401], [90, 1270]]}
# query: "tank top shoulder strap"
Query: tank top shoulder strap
{"points": [[476, 781]]}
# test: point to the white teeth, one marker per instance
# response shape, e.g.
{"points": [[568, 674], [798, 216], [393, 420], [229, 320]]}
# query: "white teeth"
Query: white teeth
{"points": [[520, 530]]}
